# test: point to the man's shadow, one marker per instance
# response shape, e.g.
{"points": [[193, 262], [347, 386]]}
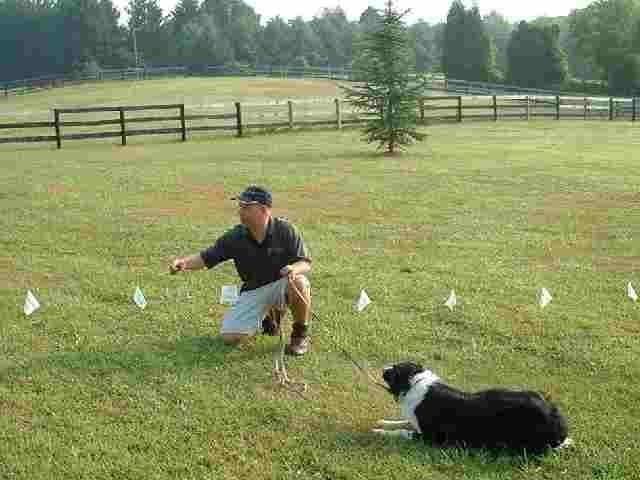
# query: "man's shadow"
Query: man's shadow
{"points": [[201, 352]]}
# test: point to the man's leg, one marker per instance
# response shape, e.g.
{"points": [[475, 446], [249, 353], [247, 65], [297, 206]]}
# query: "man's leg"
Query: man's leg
{"points": [[299, 298], [272, 320], [240, 322]]}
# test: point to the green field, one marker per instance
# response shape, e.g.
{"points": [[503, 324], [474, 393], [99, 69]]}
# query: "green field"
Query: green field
{"points": [[92, 387]]}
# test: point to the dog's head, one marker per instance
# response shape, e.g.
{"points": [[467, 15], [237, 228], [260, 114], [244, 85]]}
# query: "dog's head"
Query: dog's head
{"points": [[399, 377]]}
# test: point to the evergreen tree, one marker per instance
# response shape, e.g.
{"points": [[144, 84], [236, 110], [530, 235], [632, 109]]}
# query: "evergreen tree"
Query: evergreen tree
{"points": [[499, 29], [468, 52], [535, 58], [386, 93], [146, 25]]}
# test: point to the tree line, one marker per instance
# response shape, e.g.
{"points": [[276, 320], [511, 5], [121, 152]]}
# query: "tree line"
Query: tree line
{"points": [[40, 37]]}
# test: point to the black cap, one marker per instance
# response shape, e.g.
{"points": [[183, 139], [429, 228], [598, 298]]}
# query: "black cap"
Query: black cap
{"points": [[255, 194]]}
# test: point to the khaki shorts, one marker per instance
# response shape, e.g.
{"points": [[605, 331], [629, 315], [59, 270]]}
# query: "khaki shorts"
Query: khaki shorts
{"points": [[246, 315]]}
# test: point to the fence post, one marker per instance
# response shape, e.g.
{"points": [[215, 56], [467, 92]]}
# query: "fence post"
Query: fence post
{"points": [[495, 109], [290, 107], [6, 89], [557, 107], [338, 114], [183, 123], [421, 104], [459, 108], [123, 131], [56, 120], [239, 119], [585, 107], [528, 110], [634, 109], [610, 108]]}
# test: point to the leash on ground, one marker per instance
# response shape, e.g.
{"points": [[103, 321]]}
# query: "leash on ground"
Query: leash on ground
{"points": [[279, 365], [282, 373]]}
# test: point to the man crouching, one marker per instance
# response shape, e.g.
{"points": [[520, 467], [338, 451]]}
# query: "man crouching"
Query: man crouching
{"points": [[271, 260]]}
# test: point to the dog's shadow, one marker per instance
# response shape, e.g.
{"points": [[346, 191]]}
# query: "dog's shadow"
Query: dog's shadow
{"points": [[424, 453]]}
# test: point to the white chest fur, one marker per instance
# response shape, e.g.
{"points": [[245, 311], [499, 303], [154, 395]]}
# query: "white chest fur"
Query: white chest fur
{"points": [[420, 384]]}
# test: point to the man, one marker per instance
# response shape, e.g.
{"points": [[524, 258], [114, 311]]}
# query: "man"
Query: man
{"points": [[271, 260]]}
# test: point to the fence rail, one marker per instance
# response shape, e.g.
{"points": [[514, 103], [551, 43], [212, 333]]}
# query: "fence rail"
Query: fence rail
{"points": [[286, 116]]}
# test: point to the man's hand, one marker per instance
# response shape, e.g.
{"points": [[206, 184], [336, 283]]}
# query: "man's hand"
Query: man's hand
{"points": [[287, 271], [186, 264], [178, 265]]}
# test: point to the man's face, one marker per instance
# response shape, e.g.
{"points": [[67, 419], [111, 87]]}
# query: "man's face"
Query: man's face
{"points": [[249, 212]]}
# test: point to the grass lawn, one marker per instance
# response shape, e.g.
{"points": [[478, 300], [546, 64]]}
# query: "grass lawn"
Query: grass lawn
{"points": [[93, 387], [195, 93]]}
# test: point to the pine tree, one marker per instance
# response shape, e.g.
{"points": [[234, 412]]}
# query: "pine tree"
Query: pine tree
{"points": [[387, 93]]}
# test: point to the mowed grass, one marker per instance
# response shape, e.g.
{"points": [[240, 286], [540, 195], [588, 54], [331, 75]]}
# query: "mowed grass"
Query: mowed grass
{"points": [[93, 387], [195, 93]]}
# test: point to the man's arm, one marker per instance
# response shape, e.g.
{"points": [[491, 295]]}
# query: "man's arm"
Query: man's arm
{"points": [[222, 250], [300, 267], [183, 264], [300, 262]]}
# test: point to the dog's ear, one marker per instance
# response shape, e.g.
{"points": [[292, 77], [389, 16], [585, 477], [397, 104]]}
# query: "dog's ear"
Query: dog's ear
{"points": [[389, 375], [415, 368]]}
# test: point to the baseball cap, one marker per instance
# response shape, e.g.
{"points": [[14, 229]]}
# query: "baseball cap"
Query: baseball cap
{"points": [[254, 194]]}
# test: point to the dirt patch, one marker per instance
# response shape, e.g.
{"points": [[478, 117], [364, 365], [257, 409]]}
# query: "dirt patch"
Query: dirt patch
{"points": [[591, 209], [616, 264], [39, 344], [112, 408], [521, 323], [585, 219], [11, 277], [61, 188], [7, 272], [408, 238], [318, 205], [196, 202], [622, 328], [20, 411]]}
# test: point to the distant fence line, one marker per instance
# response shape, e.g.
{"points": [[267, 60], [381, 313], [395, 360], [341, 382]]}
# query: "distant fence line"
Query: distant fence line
{"points": [[436, 82], [430, 110], [29, 85]]}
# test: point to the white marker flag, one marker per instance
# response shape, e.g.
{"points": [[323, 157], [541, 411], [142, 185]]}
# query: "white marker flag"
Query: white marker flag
{"points": [[31, 303], [452, 301], [632, 293], [363, 301], [545, 297], [229, 294], [138, 297]]}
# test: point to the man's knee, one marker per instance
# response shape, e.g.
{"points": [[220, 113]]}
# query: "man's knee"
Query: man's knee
{"points": [[301, 285]]}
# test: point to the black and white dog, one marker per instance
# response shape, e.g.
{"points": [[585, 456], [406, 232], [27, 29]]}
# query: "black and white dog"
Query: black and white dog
{"points": [[492, 419]]}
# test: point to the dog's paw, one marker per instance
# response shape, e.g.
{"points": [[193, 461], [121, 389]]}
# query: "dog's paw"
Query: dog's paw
{"points": [[393, 423], [405, 434], [566, 444]]}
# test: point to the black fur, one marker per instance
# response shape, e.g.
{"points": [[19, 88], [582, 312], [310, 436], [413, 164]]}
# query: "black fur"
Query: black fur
{"points": [[494, 419]]}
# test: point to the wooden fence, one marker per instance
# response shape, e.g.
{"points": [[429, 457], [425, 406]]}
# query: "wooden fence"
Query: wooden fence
{"points": [[184, 124], [283, 115], [439, 108]]}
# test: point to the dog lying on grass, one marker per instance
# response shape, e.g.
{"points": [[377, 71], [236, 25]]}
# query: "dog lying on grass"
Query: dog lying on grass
{"points": [[493, 419]]}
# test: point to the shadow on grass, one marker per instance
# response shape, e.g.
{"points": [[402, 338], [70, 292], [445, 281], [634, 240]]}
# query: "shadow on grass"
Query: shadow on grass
{"points": [[424, 453], [182, 354]]}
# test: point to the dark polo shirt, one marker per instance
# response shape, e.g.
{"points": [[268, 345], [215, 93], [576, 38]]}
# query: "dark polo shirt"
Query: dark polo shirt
{"points": [[258, 263]]}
